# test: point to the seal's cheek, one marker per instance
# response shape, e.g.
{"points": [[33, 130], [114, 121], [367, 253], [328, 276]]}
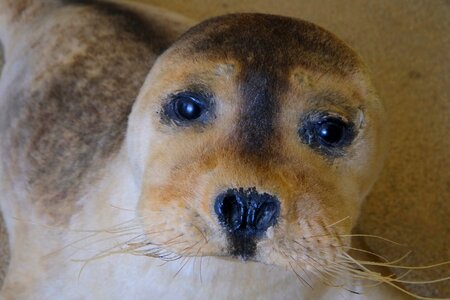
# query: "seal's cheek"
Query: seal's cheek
{"points": [[175, 201]]}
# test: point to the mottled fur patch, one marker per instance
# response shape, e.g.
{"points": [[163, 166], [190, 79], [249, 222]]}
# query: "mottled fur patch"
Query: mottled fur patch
{"points": [[74, 115], [130, 24]]}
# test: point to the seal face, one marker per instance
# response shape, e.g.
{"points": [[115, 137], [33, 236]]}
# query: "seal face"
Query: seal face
{"points": [[255, 136]]}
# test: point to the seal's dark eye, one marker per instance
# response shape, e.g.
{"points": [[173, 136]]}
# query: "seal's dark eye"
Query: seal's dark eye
{"points": [[188, 108], [331, 132], [326, 133]]}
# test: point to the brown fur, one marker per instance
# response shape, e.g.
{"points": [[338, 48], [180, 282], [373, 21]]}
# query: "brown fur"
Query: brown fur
{"points": [[252, 38]]}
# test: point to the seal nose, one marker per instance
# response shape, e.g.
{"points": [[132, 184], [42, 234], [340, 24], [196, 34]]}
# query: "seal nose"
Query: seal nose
{"points": [[247, 212]]}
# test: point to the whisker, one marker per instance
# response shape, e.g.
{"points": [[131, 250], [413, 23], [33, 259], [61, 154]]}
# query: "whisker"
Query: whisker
{"points": [[421, 281], [200, 268], [195, 260], [107, 229], [187, 258], [321, 274], [307, 252], [168, 242], [189, 248], [83, 247], [300, 278], [81, 270], [337, 222], [372, 236], [365, 251], [122, 208], [108, 251], [389, 281], [353, 235], [69, 245], [201, 232], [372, 263], [296, 262]]}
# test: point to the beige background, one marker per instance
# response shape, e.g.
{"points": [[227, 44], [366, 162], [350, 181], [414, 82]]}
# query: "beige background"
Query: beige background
{"points": [[407, 46]]}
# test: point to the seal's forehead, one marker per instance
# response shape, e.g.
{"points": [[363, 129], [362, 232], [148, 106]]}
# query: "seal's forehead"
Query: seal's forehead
{"points": [[269, 42]]}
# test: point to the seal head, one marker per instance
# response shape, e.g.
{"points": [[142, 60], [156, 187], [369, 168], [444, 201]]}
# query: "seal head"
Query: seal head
{"points": [[256, 136]]}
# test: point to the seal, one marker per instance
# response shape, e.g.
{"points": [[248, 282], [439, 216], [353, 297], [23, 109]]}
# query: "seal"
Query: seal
{"points": [[239, 152]]}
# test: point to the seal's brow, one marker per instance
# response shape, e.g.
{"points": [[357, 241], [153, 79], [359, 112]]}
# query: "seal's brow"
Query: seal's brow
{"points": [[330, 98]]}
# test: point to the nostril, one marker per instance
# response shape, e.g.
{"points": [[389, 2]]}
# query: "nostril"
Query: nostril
{"points": [[230, 210], [266, 215]]}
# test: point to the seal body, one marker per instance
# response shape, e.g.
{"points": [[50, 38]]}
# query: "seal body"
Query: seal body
{"points": [[234, 169]]}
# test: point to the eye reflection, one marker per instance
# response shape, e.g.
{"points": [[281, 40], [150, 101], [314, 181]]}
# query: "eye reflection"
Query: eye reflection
{"points": [[328, 134], [188, 108]]}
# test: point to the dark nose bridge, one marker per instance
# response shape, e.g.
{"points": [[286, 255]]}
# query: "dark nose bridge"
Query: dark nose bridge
{"points": [[257, 118], [247, 212]]}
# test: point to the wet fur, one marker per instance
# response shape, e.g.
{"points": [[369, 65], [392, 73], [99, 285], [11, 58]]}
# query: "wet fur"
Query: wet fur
{"points": [[92, 180]]}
